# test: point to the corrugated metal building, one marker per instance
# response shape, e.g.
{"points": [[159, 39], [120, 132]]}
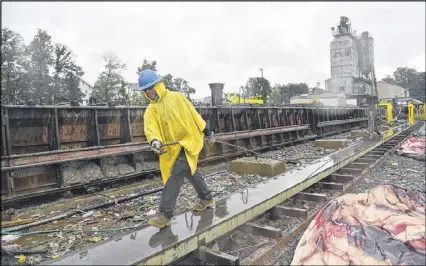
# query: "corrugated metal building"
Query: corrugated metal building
{"points": [[387, 90]]}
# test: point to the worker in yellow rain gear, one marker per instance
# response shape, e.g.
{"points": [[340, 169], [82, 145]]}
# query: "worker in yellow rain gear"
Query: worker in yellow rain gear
{"points": [[171, 118]]}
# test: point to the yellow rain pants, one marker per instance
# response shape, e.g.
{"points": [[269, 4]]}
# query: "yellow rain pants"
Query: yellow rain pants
{"points": [[172, 118]]}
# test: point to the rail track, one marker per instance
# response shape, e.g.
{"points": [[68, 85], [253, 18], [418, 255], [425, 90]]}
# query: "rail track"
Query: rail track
{"points": [[249, 211], [270, 231]]}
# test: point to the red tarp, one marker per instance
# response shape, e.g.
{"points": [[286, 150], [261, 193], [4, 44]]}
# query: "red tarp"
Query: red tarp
{"points": [[413, 147], [385, 226]]}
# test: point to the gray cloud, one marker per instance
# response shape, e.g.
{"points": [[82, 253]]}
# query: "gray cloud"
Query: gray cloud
{"points": [[226, 42]]}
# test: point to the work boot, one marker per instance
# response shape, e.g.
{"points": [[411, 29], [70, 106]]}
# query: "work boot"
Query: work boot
{"points": [[159, 221], [203, 204]]}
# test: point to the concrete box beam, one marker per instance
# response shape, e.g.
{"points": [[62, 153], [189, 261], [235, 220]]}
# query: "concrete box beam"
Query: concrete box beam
{"points": [[261, 230], [317, 197], [333, 144], [358, 133], [278, 211], [260, 166], [216, 257]]}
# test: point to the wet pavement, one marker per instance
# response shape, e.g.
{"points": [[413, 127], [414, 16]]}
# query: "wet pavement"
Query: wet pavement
{"points": [[137, 246]]}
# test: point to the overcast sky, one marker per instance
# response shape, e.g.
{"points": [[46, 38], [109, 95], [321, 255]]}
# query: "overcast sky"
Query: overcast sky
{"points": [[223, 42]]}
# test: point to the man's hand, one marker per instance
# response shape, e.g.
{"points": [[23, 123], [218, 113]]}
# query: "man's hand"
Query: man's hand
{"points": [[156, 147], [209, 136]]}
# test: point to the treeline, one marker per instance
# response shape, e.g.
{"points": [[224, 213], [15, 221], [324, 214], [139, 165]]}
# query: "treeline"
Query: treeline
{"points": [[410, 79], [405, 77], [277, 94], [41, 71], [44, 72]]}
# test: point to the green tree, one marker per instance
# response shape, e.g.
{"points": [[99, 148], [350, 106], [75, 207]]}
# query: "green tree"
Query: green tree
{"points": [[277, 95], [41, 54], [257, 86], [408, 78], [110, 81], [14, 68], [283, 93], [171, 83], [181, 85], [147, 65], [168, 81], [67, 74]]}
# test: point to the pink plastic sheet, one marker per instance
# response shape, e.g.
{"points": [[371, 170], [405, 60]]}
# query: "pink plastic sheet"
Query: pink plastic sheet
{"points": [[385, 226]]}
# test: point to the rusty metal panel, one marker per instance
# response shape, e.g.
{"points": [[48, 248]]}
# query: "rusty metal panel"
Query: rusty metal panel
{"points": [[34, 179], [109, 126], [137, 125], [73, 126], [29, 130]]}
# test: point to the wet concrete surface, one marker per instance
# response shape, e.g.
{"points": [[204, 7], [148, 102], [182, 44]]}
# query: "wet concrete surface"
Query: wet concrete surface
{"points": [[134, 247]]}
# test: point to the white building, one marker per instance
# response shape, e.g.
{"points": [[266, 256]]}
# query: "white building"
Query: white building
{"points": [[87, 89]]}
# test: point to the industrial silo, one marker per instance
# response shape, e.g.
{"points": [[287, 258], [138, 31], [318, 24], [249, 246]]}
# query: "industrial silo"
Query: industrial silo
{"points": [[367, 53]]}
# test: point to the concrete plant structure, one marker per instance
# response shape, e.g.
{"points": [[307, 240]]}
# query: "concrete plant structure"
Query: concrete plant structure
{"points": [[352, 63]]}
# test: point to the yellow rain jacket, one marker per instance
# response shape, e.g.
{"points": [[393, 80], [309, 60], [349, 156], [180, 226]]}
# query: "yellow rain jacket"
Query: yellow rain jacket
{"points": [[172, 118]]}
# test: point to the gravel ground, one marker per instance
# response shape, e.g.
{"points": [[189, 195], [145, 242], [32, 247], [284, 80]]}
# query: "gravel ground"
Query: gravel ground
{"points": [[136, 211]]}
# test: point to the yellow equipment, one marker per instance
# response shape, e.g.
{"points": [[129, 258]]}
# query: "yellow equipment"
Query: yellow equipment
{"points": [[389, 117], [411, 114], [237, 99], [419, 111], [424, 112], [388, 107]]}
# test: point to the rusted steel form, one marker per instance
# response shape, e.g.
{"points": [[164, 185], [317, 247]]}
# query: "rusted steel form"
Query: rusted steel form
{"points": [[40, 142]]}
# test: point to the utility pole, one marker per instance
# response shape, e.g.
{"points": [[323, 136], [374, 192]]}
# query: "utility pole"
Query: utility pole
{"points": [[261, 86]]}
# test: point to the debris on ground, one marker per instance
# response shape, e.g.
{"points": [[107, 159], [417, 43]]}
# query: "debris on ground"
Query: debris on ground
{"points": [[383, 226], [9, 238], [17, 222], [414, 147]]}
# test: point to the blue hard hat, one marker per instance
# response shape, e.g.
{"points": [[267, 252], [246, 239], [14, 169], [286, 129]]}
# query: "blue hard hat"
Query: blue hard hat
{"points": [[148, 78]]}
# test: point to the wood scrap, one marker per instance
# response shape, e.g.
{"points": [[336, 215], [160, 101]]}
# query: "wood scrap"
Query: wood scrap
{"points": [[18, 222]]}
